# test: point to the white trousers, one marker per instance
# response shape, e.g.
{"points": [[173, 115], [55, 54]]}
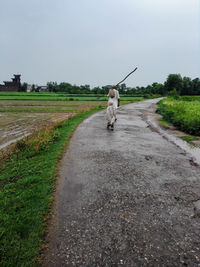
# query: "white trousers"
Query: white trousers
{"points": [[111, 114]]}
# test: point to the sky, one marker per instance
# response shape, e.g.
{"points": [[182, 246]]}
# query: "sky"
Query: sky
{"points": [[98, 42]]}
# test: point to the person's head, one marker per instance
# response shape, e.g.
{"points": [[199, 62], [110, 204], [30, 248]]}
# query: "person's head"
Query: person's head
{"points": [[114, 87]]}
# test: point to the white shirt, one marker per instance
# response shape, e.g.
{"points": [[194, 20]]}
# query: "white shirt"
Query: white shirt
{"points": [[115, 98]]}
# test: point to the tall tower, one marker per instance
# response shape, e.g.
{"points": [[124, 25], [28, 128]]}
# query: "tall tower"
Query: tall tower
{"points": [[17, 78]]}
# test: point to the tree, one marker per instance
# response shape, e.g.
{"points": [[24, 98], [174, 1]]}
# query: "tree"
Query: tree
{"points": [[159, 88], [52, 86], [174, 81], [85, 89], [65, 87], [187, 86], [104, 90], [196, 86], [23, 87], [96, 90], [33, 88], [122, 88]]}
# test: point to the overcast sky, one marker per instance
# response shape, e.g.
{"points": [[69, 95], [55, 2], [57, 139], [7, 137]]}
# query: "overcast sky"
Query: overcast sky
{"points": [[98, 42]]}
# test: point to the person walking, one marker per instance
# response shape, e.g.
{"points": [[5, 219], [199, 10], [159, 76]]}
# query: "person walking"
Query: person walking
{"points": [[113, 104]]}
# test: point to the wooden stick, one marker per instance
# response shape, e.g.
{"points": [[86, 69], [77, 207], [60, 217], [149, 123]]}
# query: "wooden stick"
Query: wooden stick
{"points": [[126, 77]]}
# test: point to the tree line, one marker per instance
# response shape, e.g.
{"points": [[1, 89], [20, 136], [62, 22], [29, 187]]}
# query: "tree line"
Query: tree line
{"points": [[174, 85]]}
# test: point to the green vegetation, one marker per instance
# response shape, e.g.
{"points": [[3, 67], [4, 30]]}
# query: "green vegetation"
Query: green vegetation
{"points": [[164, 124], [27, 180], [174, 83], [189, 138], [177, 198], [37, 106], [185, 115], [61, 97], [182, 86]]}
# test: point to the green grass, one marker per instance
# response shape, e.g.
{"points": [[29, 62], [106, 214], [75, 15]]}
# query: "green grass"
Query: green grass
{"points": [[189, 98], [185, 115], [74, 98], [164, 124], [27, 180], [189, 138], [36, 109], [61, 97], [21, 106]]}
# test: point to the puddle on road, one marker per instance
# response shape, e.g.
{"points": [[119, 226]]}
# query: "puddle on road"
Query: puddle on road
{"points": [[192, 150]]}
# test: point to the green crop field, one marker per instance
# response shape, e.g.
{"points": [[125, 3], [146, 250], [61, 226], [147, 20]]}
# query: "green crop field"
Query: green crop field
{"points": [[183, 112], [38, 106], [60, 97]]}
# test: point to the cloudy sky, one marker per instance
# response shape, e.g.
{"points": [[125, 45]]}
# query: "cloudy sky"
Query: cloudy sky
{"points": [[98, 42]]}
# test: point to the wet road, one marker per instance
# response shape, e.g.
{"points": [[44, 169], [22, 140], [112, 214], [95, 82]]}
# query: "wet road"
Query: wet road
{"points": [[124, 198]]}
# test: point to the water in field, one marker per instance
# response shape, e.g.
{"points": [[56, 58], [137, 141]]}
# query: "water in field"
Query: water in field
{"points": [[21, 118], [15, 126]]}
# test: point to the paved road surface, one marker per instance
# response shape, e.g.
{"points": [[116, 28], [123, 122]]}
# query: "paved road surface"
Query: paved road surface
{"points": [[125, 198]]}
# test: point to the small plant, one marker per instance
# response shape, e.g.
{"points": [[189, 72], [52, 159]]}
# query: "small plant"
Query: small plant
{"points": [[21, 145], [174, 93], [164, 124], [189, 138]]}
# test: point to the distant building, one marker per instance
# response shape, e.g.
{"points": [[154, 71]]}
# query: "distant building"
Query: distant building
{"points": [[43, 88], [11, 86], [32, 88], [29, 88]]}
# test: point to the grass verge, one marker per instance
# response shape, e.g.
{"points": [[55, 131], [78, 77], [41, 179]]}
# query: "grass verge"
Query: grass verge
{"points": [[27, 180], [189, 138], [164, 124]]}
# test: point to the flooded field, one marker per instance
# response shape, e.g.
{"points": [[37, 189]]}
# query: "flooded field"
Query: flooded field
{"points": [[21, 118]]}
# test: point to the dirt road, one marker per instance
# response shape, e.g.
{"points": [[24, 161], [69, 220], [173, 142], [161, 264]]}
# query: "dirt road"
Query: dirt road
{"points": [[124, 198]]}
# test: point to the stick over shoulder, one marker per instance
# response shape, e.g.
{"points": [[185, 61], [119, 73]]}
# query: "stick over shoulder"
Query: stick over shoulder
{"points": [[126, 76]]}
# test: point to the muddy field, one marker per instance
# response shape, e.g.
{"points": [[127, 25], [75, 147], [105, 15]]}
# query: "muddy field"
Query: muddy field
{"points": [[21, 118]]}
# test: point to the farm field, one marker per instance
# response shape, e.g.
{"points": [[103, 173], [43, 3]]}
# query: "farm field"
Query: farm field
{"points": [[19, 118], [184, 113], [61, 97]]}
